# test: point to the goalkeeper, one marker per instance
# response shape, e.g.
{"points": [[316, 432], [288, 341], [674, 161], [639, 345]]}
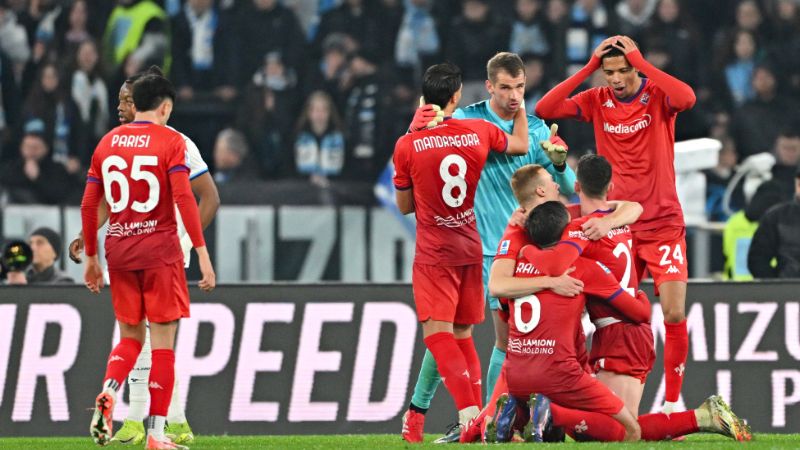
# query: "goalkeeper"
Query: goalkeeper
{"points": [[494, 203], [178, 430]]}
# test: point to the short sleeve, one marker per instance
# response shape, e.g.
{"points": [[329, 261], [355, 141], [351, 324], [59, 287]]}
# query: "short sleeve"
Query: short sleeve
{"points": [[498, 141], [510, 244], [402, 171], [194, 160], [585, 102], [177, 155]]}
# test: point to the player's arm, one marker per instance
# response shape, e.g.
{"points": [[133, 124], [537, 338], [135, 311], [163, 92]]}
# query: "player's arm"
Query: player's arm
{"points": [[625, 213], [92, 196], [205, 189], [602, 284], [183, 198], [405, 200], [764, 247], [518, 139], [403, 190], [503, 283], [680, 96], [553, 260]]}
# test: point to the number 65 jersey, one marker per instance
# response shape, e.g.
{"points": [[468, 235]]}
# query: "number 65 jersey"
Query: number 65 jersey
{"points": [[443, 165], [133, 163]]}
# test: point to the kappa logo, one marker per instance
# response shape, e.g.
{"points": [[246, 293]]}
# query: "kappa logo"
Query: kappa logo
{"points": [[680, 369], [115, 358], [673, 269], [581, 427], [155, 385], [608, 104]]}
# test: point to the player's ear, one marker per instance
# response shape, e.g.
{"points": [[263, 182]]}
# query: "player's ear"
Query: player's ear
{"points": [[489, 86], [610, 187], [577, 186]]}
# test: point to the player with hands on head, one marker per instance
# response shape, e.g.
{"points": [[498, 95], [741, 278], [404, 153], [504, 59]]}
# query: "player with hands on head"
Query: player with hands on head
{"points": [[140, 170], [634, 127]]}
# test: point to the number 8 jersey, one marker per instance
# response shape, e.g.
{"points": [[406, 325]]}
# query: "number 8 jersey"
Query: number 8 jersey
{"points": [[443, 166], [133, 163]]}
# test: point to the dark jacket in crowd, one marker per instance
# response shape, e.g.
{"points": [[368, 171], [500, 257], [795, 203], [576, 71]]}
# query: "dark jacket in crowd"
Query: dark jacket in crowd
{"points": [[777, 236], [51, 275], [53, 186]]}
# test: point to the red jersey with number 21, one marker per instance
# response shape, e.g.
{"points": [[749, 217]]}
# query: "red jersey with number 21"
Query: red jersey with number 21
{"points": [[443, 165], [133, 163]]}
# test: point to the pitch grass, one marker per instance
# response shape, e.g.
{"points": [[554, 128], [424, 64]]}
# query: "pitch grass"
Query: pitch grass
{"points": [[386, 441]]}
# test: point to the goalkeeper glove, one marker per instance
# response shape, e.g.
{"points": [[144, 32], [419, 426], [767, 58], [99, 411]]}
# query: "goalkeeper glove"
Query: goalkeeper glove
{"points": [[426, 116], [554, 147]]}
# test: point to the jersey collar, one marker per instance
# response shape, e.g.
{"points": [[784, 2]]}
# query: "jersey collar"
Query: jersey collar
{"points": [[633, 97]]}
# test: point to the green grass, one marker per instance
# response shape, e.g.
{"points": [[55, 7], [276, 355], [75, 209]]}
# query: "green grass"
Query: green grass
{"points": [[385, 441]]}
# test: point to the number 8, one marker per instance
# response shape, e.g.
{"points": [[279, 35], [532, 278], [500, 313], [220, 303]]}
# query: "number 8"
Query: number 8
{"points": [[453, 181]]}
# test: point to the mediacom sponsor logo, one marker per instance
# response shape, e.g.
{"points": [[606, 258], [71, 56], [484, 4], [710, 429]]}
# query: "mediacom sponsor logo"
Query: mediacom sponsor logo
{"points": [[624, 128]]}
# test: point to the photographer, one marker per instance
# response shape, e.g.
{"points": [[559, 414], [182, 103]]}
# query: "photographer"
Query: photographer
{"points": [[16, 258]]}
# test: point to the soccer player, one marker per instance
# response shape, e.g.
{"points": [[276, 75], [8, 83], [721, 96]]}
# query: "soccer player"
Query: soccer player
{"points": [[203, 186], [634, 126], [542, 357], [494, 203], [622, 352], [140, 169], [436, 176]]}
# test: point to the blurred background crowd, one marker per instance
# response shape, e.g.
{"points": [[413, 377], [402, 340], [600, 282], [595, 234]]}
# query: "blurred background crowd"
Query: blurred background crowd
{"points": [[317, 91]]}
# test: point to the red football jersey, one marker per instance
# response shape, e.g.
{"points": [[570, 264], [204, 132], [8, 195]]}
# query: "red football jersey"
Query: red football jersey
{"points": [[443, 166], [637, 136], [133, 163], [514, 238], [543, 326]]}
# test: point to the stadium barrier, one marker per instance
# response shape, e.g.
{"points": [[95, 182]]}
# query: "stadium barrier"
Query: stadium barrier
{"points": [[341, 358]]}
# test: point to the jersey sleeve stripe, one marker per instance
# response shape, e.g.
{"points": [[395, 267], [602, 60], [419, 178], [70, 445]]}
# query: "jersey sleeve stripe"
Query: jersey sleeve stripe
{"points": [[179, 168], [580, 250], [192, 177], [614, 295], [402, 188], [92, 180]]}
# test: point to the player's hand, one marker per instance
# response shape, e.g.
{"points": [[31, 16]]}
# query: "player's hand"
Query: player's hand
{"points": [[426, 116], [93, 274], [567, 286], [554, 147], [75, 249], [517, 218], [596, 228], [209, 280], [624, 44]]}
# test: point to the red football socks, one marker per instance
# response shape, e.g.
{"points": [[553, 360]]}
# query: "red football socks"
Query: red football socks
{"points": [[676, 350], [453, 368], [121, 361], [592, 426], [162, 380], [467, 347], [658, 427]]}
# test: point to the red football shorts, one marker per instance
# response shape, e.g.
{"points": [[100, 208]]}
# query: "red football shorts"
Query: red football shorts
{"points": [[160, 294], [449, 293], [623, 348], [662, 252], [574, 389]]}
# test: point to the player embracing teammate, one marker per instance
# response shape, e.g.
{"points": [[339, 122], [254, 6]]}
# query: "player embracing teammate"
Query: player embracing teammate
{"points": [[634, 127], [140, 169]]}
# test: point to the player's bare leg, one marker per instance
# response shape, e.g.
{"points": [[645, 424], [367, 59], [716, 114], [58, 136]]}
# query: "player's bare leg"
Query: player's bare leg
{"points": [[627, 388], [633, 432], [162, 380], [120, 363], [676, 345]]}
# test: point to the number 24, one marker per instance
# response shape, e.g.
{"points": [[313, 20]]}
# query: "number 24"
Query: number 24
{"points": [[676, 253]]}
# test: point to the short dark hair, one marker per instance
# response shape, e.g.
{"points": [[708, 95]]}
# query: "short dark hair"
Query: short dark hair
{"points": [[594, 175], [152, 70], [546, 223], [507, 62], [440, 83], [150, 91], [613, 51]]}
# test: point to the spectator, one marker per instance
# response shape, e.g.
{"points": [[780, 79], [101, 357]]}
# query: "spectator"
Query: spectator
{"points": [[740, 67], [330, 74], [46, 246], [90, 95], [13, 40], [777, 237], [72, 29], [785, 26], [230, 158], [137, 31], [558, 22], [787, 158], [201, 49], [476, 35], [51, 104], [319, 148], [756, 124], [528, 32], [417, 40], [673, 31], [717, 179], [34, 177], [365, 157], [589, 26], [16, 258], [535, 80], [9, 105], [352, 18], [740, 227], [633, 17], [266, 26]]}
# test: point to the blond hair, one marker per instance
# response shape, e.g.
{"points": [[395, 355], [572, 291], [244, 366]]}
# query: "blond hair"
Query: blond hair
{"points": [[525, 181]]}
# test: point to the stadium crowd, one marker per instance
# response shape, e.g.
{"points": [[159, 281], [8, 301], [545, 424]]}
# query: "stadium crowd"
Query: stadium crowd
{"points": [[319, 90]]}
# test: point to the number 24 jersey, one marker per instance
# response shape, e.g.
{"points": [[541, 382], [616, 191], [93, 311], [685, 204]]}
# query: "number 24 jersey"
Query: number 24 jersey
{"points": [[133, 163], [443, 165]]}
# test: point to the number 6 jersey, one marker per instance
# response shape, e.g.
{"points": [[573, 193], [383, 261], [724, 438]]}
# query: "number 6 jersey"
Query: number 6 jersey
{"points": [[443, 165], [133, 163]]}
